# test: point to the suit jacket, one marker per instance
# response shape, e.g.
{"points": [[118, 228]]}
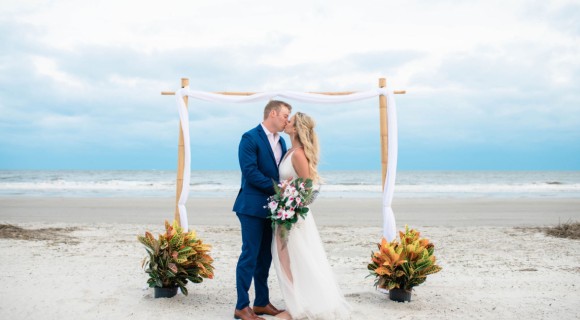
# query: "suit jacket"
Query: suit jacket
{"points": [[259, 172]]}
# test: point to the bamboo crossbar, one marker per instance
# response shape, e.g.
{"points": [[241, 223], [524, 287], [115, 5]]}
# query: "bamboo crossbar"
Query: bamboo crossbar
{"points": [[338, 93]]}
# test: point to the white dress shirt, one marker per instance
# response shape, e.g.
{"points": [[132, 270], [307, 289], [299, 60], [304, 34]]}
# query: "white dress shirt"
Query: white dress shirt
{"points": [[274, 139]]}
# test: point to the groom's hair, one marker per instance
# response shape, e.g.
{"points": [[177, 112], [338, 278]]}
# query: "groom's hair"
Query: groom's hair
{"points": [[275, 105]]}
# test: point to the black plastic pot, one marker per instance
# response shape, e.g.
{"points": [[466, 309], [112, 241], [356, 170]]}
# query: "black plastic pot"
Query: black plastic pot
{"points": [[165, 292], [400, 295]]}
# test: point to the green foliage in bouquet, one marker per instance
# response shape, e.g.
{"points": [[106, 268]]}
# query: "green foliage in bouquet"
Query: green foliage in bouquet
{"points": [[175, 258], [403, 264], [290, 202]]}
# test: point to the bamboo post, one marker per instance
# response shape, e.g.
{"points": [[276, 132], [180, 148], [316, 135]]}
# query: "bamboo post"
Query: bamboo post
{"points": [[384, 131], [180, 158]]}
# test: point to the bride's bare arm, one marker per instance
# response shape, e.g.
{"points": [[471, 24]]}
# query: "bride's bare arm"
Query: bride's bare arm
{"points": [[300, 164]]}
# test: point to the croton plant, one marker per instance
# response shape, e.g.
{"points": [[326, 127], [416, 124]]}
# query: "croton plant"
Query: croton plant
{"points": [[403, 264], [175, 258]]}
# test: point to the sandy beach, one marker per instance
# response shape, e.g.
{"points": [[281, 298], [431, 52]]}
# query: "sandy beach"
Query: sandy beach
{"points": [[492, 267]]}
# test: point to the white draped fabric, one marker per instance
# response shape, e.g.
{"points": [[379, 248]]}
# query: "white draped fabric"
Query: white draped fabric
{"points": [[389, 229]]}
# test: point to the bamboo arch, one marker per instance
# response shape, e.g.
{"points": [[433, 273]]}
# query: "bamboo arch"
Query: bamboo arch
{"points": [[383, 133]]}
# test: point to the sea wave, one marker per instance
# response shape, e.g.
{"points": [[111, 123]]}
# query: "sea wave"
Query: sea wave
{"points": [[135, 188]]}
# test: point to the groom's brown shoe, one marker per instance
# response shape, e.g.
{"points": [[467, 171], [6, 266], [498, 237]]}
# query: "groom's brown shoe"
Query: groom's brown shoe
{"points": [[269, 310], [246, 314]]}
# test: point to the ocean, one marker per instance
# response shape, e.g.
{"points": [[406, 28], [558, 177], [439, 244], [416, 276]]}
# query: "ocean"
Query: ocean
{"points": [[409, 184]]}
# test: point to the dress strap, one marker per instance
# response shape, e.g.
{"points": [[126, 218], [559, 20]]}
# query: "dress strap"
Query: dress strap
{"points": [[291, 151]]}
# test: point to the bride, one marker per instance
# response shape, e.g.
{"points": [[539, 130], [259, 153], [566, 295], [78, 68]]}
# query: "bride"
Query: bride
{"points": [[306, 279]]}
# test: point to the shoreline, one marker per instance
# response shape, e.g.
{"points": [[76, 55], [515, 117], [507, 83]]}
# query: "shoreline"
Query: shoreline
{"points": [[327, 211]]}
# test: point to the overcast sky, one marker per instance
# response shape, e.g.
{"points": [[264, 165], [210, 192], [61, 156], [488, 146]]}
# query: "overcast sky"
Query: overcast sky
{"points": [[492, 85]]}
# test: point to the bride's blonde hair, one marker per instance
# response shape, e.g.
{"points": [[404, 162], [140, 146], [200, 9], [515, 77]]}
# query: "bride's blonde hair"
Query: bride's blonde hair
{"points": [[304, 125]]}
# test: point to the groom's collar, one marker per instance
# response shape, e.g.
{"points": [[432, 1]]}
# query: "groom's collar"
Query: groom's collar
{"points": [[276, 136]]}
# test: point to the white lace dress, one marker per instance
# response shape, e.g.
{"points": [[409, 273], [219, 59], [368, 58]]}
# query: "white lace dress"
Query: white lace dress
{"points": [[306, 279]]}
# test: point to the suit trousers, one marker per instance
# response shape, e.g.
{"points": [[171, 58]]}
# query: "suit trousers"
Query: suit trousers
{"points": [[254, 261]]}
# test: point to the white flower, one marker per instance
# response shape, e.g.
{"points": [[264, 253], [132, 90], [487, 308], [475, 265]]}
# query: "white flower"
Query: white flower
{"points": [[289, 202], [272, 205], [286, 214]]}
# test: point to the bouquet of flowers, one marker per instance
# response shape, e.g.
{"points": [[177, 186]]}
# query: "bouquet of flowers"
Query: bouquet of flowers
{"points": [[290, 202]]}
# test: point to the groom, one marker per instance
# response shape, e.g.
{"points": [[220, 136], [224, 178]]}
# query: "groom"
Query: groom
{"points": [[259, 153]]}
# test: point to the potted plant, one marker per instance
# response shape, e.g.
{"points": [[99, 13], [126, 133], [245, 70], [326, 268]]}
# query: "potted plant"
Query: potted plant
{"points": [[175, 258], [400, 266]]}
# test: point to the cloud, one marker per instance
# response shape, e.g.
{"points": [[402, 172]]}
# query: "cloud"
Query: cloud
{"points": [[562, 16], [81, 86], [495, 97]]}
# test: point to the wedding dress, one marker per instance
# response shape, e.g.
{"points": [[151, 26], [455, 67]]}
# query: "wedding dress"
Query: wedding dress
{"points": [[306, 279]]}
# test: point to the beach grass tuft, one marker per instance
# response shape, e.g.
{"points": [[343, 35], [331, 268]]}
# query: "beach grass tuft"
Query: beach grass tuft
{"points": [[568, 229], [9, 231]]}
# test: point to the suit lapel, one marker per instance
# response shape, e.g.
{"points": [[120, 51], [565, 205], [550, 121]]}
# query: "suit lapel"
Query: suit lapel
{"points": [[283, 144], [265, 140]]}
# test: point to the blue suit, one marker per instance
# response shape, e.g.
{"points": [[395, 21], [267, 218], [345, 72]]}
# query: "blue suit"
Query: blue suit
{"points": [[259, 172]]}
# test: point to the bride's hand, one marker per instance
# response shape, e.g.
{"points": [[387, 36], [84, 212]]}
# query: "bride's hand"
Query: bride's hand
{"points": [[285, 183]]}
